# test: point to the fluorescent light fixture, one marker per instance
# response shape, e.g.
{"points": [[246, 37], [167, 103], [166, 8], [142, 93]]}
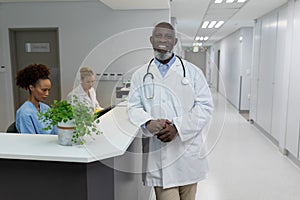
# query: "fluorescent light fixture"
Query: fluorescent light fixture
{"points": [[229, 1], [219, 24], [201, 38], [195, 49], [241, 1], [212, 24], [197, 38], [205, 24], [205, 38], [218, 1], [197, 43]]}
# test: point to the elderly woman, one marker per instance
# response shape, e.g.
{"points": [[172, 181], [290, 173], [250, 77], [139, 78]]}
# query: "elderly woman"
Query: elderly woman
{"points": [[85, 91], [35, 79]]}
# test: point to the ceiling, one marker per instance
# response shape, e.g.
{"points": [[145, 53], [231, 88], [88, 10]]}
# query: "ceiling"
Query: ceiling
{"points": [[236, 15], [189, 14]]}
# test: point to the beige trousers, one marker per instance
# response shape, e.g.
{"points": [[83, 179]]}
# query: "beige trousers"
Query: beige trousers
{"points": [[186, 192]]}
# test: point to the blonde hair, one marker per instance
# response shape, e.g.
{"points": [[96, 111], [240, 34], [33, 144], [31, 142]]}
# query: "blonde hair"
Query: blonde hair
{"points": [[85, 71]]}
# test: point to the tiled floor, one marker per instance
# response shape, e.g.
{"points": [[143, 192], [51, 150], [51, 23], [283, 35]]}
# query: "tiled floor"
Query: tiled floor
{"points": [[244, 164]]}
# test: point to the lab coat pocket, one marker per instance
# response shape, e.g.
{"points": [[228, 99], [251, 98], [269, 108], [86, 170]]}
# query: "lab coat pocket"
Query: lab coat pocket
{"points": [[195, 147]]}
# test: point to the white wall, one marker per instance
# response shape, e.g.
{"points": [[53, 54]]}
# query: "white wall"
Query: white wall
{"points": [[293, 112], [280, 80], [245, 68], [235, 62], [211, 67], [82, 26], [275, 108], [255, 70], [198, 59], [230, 63], [266, 71], [270, 74]]}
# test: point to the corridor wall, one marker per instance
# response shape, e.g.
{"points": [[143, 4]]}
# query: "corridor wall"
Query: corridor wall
{"points": [[293, 111], [275, 81], [234, 67]]}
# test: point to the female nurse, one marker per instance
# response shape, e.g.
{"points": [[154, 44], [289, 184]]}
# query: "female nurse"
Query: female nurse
{"points": [[35, 79]]}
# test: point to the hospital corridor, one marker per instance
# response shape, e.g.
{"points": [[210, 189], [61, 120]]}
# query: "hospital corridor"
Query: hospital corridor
{"points": [[244, 164], [140, 86]]}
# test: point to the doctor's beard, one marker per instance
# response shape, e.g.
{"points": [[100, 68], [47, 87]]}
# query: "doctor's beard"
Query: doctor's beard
{"points": [[162, 56]]}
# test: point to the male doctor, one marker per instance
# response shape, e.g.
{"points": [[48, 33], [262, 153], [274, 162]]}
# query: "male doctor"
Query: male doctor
{"points": [[171, 102]]}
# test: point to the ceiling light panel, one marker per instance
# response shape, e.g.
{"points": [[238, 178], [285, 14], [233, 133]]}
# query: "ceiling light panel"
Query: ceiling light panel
{"points": [[229, 1], [219, 24], [218, 1], [205, 24], [224, 6], [212, 24], [217, 11]]}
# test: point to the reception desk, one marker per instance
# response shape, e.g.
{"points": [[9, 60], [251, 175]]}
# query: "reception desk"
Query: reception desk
{"points": [[36, 167]]}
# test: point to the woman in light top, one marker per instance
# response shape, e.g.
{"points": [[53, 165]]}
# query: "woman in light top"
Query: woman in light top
{"points": [[35, 79], [85, 91]]}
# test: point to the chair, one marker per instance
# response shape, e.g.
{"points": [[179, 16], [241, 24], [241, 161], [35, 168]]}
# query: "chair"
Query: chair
{"points": [[12, 128]]}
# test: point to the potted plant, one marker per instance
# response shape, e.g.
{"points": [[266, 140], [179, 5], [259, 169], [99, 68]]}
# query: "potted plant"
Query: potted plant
{"points": [[73, 120]]}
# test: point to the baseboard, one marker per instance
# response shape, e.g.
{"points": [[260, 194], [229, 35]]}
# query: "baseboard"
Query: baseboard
{"points": [[270, 137], [293, 158], [243, 111], [275, 142]]}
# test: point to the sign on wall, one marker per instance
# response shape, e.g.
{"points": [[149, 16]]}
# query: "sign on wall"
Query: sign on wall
{"points": [[37, 47]]}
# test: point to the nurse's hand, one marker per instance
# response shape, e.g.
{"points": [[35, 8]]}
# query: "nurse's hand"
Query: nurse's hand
{"points": [[154, 126], [168, 133]]}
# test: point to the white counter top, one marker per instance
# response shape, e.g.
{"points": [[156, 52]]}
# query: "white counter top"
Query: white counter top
{"points": [[118, 133]]}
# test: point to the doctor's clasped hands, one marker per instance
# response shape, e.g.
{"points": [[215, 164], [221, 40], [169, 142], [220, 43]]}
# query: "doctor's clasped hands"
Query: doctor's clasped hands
{"points": [[163, 129]]}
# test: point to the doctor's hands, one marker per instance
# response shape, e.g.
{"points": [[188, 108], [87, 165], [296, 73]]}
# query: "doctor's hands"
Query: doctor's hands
{"points": [[154, 126], [168, 133], [162, 129]]}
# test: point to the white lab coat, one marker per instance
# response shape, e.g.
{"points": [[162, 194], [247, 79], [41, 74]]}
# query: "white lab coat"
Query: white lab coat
{"points": [[189, 107], [91, 101]]}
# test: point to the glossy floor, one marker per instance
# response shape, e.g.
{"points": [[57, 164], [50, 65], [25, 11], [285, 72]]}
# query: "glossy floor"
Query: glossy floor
{"points": [[244, 164]]}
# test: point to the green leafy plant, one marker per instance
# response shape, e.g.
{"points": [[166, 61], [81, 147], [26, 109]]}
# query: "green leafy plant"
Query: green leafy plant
{"points": [[77, 111]]}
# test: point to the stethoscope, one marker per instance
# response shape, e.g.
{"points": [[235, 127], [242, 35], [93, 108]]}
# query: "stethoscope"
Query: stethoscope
{"points": [[184, 80]]}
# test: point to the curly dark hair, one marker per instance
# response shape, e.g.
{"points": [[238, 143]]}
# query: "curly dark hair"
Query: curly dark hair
{"points": [[31, 74]]}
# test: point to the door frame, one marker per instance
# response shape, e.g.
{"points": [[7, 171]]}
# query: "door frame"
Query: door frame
{"points": [[218, 69], [13, 57]]}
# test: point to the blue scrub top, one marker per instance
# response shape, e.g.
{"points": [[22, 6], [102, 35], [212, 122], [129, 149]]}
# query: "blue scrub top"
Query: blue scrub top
{"points": [[27, 119]]}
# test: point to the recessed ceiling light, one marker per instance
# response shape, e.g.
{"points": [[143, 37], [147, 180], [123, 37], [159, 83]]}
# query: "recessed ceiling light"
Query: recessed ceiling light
{"points": [[241, 1], [205, 38], [212, 24], [220, 23], [195, 49], [197, 43], [218, 1], [201, 38], [205, 24], [229, 1], [197, 38]]}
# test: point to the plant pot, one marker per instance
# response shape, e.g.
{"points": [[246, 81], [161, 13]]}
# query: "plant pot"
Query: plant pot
{"points": [[65, 133]]}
